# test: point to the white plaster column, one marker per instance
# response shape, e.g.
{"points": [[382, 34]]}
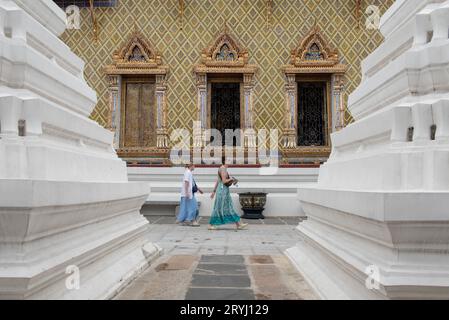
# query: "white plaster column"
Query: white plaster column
{"points": [[441, 118], [201, 82], [161, 110], [440, 23], [114, 109], [9, 118], [422, 28], [248, 87], [422, 121], [290, 116], [402, 119], [338, 102]]}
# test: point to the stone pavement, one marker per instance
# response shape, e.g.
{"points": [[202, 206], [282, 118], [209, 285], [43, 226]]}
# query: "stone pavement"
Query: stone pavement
{"points": [[199, 264]]}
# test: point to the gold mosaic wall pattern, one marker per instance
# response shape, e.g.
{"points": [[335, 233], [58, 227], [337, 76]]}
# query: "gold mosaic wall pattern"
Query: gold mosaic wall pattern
{"points": [[269, 46]]}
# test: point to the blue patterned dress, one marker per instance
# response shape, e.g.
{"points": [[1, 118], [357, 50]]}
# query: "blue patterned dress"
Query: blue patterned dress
{"points": [[224, 211]]}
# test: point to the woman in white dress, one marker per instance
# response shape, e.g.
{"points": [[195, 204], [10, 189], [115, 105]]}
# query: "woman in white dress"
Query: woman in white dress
{"points": [[188, 207]]}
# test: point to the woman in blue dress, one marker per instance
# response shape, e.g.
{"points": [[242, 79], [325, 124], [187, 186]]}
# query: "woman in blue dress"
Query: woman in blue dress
{"points": [[224, 212], [188, 208]]}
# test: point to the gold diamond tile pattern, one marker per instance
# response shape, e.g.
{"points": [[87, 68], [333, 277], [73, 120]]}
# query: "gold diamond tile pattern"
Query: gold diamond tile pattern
{"points": [[269, 45]]}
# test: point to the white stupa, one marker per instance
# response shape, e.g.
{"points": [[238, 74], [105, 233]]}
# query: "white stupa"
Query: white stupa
{"points": [[66, 206], [378, 219]]}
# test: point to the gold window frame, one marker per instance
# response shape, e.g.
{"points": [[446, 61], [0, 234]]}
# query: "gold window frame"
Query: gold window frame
{"points": [[148, 67], [222, 71], [327, 68]]}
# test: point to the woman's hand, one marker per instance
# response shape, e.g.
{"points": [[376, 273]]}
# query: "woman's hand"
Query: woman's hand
{"points": [[212, 195], [200, 191], [226, 181]]}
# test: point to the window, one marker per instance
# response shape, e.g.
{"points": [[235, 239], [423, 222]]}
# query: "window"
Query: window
{"points": [[312, 115], [86, 3]]}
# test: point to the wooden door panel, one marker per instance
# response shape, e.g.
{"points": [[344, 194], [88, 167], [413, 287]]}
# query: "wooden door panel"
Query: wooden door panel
{"points": [[132, 115], [139, 114], [148, 115]]}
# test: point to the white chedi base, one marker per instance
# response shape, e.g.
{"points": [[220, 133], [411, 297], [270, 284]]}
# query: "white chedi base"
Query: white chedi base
{"points": [[67, 210], [350, 234], [378, 218], [49, 227]]}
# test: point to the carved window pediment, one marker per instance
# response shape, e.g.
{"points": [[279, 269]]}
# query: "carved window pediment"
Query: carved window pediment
{"points": [[315, 53], [225, 51], [225, 55], [138, 50], [136, 56]]}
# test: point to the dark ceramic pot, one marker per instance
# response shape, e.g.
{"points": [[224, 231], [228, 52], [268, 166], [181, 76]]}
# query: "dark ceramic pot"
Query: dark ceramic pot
{"points": [[253, 205]]}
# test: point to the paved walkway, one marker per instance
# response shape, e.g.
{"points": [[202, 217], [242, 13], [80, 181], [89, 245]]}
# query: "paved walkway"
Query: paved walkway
{"points": [[199, 264]]}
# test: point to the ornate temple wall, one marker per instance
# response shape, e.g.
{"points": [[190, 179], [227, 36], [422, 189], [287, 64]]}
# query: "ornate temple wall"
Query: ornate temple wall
{"points": [[268, 38]]}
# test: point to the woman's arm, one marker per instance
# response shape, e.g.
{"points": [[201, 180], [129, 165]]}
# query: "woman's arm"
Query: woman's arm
{"points": [[215, 190], [186, 188], [224, 177]]}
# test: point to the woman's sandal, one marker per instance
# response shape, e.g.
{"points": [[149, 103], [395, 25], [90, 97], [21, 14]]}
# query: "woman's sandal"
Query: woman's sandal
{"points": [[242, 226], [213, 228]]}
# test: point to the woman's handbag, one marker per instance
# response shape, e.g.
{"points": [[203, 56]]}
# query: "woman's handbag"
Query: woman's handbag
{"points": [[195, 187], [230, 183]]}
